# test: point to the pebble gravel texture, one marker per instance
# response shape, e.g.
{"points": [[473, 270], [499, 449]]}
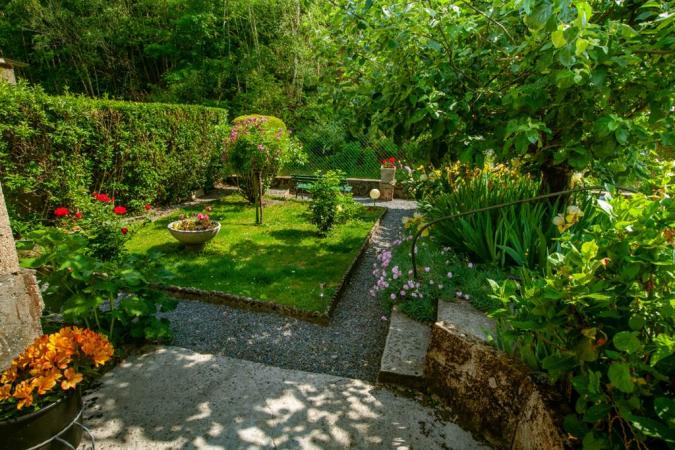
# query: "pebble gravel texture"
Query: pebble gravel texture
{"points": [[350, 346]]}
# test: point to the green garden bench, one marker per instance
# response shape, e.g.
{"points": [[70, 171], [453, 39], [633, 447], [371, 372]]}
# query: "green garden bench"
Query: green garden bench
{"points": [[303, 183]]}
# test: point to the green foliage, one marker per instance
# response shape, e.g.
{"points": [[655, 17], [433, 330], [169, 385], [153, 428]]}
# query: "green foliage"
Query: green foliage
{"points": [[256, 150], [113, 296], [329, 206], [442, 276], [55, 151], [246, 55], [519, 235], [601, 321], [565, 86], [282, 262]]}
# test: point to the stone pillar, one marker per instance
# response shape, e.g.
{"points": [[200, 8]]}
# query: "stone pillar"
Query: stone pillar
{"points": [[20, 301]]}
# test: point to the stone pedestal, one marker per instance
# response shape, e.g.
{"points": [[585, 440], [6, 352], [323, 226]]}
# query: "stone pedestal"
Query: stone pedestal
{"points": [[20, 301], [386, 192]]}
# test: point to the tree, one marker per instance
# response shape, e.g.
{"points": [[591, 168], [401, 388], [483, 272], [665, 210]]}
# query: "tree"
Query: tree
{"points": [[564, 85], [257, 148]]}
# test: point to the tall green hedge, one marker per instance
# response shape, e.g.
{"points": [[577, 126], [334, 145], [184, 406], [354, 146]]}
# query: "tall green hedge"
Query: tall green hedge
{"points": [[57, 150]]}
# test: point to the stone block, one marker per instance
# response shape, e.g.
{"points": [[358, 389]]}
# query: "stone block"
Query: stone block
{"points": [[20, 309], [386, 192], [491, 393]]}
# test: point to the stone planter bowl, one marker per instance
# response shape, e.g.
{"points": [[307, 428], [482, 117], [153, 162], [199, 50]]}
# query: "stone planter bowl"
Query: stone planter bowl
{"points": [[388, 175], [193, 237]]}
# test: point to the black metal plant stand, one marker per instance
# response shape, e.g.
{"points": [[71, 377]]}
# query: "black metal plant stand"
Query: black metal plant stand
{"points": [[57, 438]]}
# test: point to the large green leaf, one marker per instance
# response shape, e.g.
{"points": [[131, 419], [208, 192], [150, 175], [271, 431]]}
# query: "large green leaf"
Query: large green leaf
{"points": [[620, 376]]}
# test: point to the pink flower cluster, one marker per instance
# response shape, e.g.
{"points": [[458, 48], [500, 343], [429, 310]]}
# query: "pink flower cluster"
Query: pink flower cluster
{"points": [[387, 278]]}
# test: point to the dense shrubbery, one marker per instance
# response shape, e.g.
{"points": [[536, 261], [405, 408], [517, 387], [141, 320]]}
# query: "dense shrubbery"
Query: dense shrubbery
{"points": [[519, 235], [57, 150], [330, 206], [601, 321], [88, 277]]}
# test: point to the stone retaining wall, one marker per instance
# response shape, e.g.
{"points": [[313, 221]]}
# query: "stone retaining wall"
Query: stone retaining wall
{"points": [[492, 394], [20, 300]]}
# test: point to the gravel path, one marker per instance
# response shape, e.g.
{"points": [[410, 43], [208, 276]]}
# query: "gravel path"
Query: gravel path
{"points": [[351, 346]]}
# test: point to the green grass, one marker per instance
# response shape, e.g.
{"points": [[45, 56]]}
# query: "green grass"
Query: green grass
{"points": [[283, 261]]}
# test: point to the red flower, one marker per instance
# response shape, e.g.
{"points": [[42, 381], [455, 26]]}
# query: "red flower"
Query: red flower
{"points": [[392, 160], [120, 210], [148, 206], [102, 198], [124, 230], [61, 212], [78, 215]]}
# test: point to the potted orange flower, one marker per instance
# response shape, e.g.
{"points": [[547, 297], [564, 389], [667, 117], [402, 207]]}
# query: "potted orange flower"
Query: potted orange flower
{"points": [[39, 395]]}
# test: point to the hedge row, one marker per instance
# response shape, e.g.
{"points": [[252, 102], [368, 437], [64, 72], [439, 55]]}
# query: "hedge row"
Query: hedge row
{"points": [[57, 150]]}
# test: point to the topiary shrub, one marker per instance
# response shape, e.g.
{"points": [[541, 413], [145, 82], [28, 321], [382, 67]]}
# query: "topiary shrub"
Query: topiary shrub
{"points": [[256, 149]]}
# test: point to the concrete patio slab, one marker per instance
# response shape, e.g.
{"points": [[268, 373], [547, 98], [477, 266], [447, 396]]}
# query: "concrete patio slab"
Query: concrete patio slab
{"points": [[176, 398]]}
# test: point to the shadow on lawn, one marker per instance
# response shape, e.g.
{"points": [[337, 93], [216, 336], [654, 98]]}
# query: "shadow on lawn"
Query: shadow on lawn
{"points": [[288, 273], [178, 399]]}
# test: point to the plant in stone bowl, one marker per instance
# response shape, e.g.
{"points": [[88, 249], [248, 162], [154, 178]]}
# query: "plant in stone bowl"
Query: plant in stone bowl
{"points": [[39, 395], [195, 229]]}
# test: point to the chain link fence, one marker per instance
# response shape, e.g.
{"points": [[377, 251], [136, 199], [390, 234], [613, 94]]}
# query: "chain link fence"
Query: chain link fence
{"points": [[331, 147]]}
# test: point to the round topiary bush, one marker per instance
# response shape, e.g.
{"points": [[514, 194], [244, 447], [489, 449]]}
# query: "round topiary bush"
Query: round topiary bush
{"points": [[257, 148]]}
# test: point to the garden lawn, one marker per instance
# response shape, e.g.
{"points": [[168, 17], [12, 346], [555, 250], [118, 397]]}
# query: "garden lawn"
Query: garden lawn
{"points": [[283, 261]]}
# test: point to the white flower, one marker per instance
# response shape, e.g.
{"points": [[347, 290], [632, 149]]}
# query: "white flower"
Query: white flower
{"points": [[449, 274]]}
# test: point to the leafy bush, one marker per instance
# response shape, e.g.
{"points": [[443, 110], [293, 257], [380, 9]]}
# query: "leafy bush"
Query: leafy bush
{"points": [[257, 148], [600, 323], [329, 206], [57, 150], [113, 296], [90, 278]]}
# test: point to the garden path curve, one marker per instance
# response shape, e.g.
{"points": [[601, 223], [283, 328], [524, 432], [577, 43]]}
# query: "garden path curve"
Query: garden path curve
{"points": [[350, 346]]}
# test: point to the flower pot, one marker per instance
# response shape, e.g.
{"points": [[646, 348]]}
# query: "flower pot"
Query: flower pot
{"points": [[37, 429], [193, 237], [388, 175]]}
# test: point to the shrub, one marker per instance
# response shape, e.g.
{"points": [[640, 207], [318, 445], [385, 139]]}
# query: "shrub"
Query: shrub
{"points": [[600, 323], [516, 235], [89, 278], [256, 149], [329, 206], [56, 150]]}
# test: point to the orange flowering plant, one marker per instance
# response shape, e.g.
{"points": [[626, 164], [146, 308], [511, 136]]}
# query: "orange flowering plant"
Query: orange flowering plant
{"points": [[49, 368]]}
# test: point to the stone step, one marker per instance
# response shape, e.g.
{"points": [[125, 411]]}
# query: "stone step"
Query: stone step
{"points": [[405, 351], [465, 317]]}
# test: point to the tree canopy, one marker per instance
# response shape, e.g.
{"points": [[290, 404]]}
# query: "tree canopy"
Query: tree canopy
{"points": [[562, 85]]}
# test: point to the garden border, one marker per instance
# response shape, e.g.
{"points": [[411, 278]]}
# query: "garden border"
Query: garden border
{"points": [[239, 301]]}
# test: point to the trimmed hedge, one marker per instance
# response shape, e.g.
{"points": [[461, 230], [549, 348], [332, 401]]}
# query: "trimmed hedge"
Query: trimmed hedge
{"points": [[58, 150]]}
